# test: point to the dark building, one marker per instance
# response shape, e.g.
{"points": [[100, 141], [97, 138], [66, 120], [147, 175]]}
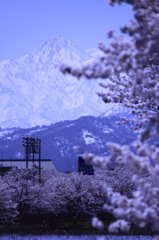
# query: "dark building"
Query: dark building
{"points": [[84, 168]]}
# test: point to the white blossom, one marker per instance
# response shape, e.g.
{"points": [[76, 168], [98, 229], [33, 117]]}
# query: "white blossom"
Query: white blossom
{"points": [[96, 223], [119, 225]]}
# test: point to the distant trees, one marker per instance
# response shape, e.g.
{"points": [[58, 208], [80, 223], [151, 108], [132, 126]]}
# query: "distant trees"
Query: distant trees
{"points": [[58, 193], [72, 193], [131, 70]]}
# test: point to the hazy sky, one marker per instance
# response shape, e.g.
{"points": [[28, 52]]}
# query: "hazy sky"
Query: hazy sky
{"points": [[25, 24]]}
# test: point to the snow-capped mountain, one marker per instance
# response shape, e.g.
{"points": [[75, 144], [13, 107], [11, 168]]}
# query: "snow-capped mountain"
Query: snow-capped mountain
{"points": [[34, 92]]}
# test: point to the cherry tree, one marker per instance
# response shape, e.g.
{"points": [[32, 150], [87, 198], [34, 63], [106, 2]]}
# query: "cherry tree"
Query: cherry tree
{"points": [[27, 192], [119, 179], [8, 208], [74, 193], [130, 69]]}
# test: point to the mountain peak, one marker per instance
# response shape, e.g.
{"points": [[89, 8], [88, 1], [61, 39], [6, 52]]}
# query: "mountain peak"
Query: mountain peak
{"points": [[56, 43], [57, 49]]}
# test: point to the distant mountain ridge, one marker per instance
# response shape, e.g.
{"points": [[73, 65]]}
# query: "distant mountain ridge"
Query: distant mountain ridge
{"points": [[90, 133], [93, 52], [34, 92]]}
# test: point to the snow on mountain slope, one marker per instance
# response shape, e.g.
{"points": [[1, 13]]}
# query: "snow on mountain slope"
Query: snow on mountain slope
{"points": [[94, 52], [116, 109], [34, 92]]}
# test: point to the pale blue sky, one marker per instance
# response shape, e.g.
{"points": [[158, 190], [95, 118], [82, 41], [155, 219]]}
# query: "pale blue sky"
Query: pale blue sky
{"points": [[25, 24]]}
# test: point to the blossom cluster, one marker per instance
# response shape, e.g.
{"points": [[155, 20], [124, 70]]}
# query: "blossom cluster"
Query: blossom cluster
{"points": [[130, 69]]}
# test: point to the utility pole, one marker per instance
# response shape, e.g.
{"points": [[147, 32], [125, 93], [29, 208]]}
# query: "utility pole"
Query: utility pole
{"points": [[39, 157]]}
